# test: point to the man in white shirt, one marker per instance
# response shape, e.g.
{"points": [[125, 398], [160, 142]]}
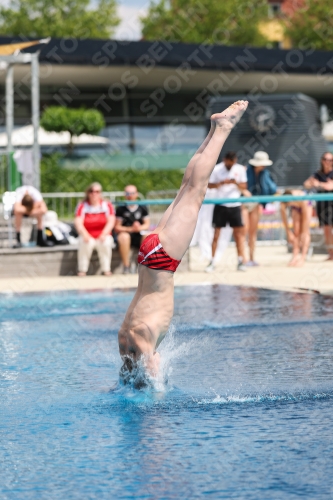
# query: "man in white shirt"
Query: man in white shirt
{"points": [[30, 203], [229, 179]]}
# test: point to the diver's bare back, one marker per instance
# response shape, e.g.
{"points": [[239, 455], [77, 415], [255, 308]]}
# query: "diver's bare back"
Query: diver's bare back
{"points": [[149, 315]]}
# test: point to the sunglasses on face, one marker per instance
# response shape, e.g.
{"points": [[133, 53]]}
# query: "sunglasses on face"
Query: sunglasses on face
{"points": [[95, 191], [130, 193]]}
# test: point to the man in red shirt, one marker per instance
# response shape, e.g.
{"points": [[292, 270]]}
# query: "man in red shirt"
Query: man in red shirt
{"points": [[94, 221]]}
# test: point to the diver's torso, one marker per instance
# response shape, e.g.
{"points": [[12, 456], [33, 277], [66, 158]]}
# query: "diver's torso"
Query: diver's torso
{"points": [[151, 310]]}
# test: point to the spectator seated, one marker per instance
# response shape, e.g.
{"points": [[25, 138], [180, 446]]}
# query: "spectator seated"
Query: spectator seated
{"points": [[94, 221], [132, 221]]}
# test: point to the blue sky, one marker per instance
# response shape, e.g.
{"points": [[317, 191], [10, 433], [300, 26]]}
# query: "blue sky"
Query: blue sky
{"points": [[129, 11]]}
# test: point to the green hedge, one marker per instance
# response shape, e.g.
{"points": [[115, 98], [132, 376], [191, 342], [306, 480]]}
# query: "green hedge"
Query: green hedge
{"points": [[55, 178]]}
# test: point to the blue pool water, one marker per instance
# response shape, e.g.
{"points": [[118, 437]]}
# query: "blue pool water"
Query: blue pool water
{"points": [[246, 412]]}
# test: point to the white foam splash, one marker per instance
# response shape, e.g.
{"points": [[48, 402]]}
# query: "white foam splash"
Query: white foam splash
{"points": [[171, 350], [260, 398]]}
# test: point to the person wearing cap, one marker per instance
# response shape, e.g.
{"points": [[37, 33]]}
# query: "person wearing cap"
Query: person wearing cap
{"points": [[132, 220], [259, 182]]}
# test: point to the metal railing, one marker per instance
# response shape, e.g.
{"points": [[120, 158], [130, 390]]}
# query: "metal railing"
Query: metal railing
{"points": [[271, 230], [156, 211], [250, 199], [65, 203]]}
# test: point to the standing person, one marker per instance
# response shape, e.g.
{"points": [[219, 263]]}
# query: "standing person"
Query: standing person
{"points": [[30, 203], [299, 236], [229, 180], [131, 220], [94, 221], [148, 317], [322, 182], [259, 182]]}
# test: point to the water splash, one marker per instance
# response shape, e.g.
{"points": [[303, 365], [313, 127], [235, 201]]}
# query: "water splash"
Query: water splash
{"points": [[264, 398]]}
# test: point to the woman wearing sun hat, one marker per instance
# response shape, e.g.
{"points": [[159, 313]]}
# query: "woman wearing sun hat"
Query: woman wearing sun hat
{"points": [[259, 182]]}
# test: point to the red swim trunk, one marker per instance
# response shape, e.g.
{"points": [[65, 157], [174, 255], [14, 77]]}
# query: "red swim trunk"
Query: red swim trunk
{"points": [[152, 254]]}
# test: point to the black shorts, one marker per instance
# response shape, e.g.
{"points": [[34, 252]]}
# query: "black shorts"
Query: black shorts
{"points": [[136, 240], [227, 215], [325, 213]]}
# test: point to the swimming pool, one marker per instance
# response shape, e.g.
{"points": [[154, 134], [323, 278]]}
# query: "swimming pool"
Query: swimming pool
{"points": [[246, 412]]}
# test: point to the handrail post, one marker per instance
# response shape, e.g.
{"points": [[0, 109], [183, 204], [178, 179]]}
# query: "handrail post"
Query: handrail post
{"points": [[9, 129], [35, 116], [9, 117]]}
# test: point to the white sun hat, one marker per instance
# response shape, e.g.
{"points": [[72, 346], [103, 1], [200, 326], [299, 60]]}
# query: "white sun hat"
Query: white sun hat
{"points": [[260, 159]]}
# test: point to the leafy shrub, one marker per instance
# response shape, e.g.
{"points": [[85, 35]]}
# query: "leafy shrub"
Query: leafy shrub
{"points": [[54, 178], [75, 121]]}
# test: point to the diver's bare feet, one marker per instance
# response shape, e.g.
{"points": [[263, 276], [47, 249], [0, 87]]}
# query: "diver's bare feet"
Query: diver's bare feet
{"points": [[230, 116]]}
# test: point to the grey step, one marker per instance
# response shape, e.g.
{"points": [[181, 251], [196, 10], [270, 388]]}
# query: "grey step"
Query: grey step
{"points": [[57, 261]]}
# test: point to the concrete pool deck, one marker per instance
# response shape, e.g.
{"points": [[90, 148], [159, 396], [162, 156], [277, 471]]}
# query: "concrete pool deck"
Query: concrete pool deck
{"points": [[273, 273]]}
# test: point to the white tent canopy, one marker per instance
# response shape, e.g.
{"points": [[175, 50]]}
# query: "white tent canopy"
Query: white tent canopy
{"points": [[24, 137]]}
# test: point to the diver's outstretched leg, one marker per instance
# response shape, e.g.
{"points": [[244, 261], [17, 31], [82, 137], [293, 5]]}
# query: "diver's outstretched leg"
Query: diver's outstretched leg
{"points": [[178, 230], [186, 177]]}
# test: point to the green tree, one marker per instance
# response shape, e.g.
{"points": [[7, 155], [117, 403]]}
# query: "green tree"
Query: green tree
{"points": [[312, 25], [75, 121], [59, 18], [228, 22]]}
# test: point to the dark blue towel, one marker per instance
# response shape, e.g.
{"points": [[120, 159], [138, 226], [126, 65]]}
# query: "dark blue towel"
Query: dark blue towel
{"points": [[262, 184]]}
